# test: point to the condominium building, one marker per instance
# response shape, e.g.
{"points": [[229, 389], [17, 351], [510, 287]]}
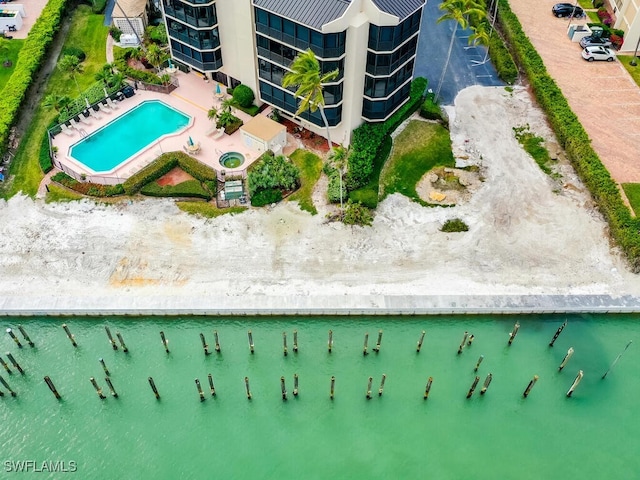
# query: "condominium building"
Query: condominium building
{"points": [[372, 43]]}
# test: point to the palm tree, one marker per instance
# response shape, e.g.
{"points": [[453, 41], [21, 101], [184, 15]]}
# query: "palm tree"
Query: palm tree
{"points": [[339, 156], [55, 101], [305, 74], [483, 32], [156, 56], [461, 11], [70, 64]]}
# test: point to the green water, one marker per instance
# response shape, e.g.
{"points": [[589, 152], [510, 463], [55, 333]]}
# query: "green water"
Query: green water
{"points": [[399, 435]]}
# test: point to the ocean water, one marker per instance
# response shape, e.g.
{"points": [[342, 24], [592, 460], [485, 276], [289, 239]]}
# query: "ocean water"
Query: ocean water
{"points": [[500, 434]]}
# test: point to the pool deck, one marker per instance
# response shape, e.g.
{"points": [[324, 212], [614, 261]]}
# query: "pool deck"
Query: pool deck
{"points": [[193, 97]]}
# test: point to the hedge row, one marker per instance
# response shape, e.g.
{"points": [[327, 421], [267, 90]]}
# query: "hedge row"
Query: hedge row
{"points": [[367, 138], [87, 188], [163, 165], [43, 155], [572, 136], [189, 188], [29, 61]]}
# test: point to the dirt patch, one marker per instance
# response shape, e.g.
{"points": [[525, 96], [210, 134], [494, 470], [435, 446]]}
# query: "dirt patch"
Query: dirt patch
{"points": [[174, 177], [448, 186]]}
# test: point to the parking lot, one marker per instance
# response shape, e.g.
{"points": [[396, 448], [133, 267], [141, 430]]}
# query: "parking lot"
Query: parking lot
{"points": [[602, 94]]}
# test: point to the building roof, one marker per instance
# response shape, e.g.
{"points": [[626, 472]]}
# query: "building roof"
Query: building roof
{"points": [[263, 128], [400, 8], [313, 13], [131, 8]]}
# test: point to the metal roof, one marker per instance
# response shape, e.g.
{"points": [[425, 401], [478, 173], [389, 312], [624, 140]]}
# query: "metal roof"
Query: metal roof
{"points": [[400, 8], [312, 13]]}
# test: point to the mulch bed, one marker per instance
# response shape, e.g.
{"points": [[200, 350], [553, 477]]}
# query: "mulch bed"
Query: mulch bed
{"points": [[174, 177], [310, 140]]}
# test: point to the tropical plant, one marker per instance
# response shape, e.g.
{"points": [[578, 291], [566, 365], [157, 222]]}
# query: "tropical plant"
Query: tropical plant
{"points": [[243, 96], [273, 172], [357, 214], [305, 74], [339, 156], [225, 115], [156, 56], [212, 114], [461, 11], [71, 65], [57, 102], [115, 32]]}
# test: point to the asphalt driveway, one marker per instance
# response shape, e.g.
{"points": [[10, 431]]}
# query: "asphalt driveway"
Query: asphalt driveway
{"points": [[462, 72]]}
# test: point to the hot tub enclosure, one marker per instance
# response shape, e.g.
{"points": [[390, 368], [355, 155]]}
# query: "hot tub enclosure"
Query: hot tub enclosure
{"points": [[262, 134]]}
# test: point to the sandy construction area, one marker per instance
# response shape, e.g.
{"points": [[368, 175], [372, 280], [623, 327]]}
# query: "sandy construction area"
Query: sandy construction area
{"points": [[528, 234]]}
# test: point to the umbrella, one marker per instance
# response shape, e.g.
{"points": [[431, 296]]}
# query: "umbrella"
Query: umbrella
{"points": [[190, 140], [218, 91], [106, 94], [86, 100]]}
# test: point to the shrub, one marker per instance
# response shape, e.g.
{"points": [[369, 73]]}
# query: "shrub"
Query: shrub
{"points": [[232, 125], [157, 34], [115, 32], [266, 197], [88, 188], [454, 225], [357, 214], [430, 109], [616, 40], [273, 172], [98, 6], [187, 189], [243, 95], [74, 51], [44, 158]]}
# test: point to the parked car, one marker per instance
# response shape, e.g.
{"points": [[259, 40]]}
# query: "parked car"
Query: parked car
{"points": [[592, 41], [566, 10], [598, 53]]}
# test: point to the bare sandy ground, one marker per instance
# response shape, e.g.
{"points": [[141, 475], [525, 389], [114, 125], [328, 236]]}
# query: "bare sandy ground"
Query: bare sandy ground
{"points": [[528, 234]]}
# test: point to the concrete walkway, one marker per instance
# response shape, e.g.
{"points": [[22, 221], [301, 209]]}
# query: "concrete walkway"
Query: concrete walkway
{"points": [[601, 94]]}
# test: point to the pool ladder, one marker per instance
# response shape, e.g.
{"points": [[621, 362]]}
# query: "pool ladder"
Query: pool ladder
{"points": [[83, 133]]}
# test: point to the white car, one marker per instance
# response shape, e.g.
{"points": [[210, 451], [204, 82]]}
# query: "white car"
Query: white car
{"points": [[598, 53]]}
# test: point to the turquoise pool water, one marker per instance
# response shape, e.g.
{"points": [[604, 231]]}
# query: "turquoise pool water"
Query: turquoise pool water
{"points": [[399, 435], [108, 147]]}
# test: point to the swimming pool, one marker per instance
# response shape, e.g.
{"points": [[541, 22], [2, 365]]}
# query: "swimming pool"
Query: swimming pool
{"points": [[121, 139]]}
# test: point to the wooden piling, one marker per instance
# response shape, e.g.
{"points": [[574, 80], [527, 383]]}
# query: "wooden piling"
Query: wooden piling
{"points": [[366, 341], [212, 388], [104, 367], [111, 340], [377, 349], [369, 388], [15, 363], [165, 342], [473, 386], [384, 377], [13, 336], [97, 387], [71, 337], [295, 341], [333, 384], [114, 394], [250, 335], [420, 341], [215, 337], [295, 384], [575, 383], [566, 358], [330, 342], [470, 340], [513, 333], [6, 385], [4, 364], [480, 359], [124, 347], [530, 386], [487, 381], [200, 392], [427, 389], [25, 336], [246, 384], [51, 386], [557, 334], [283, 388], [616, 360], [284, 343], [205, 346], [463, 342], [153, 387]]}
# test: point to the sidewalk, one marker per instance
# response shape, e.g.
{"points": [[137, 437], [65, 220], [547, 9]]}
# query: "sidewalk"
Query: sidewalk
{"points": [[601, 94]]}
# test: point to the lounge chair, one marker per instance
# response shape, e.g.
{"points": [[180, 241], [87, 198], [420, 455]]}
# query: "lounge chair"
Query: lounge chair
{"points": [[112, 103], [104, 108], [74, 124], [95, 114], [66, 130], [84, 119]]}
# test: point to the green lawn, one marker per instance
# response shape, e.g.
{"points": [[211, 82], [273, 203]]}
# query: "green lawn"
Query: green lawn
{"points": [[60, 194], [633, 71], [87, 33], [5, 72], [207, 210], [419, 148], [632, 191], [368, 195], [310, 166]]}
